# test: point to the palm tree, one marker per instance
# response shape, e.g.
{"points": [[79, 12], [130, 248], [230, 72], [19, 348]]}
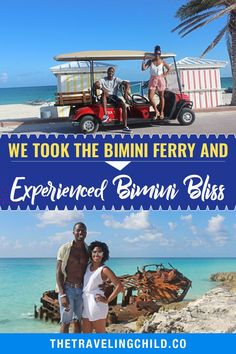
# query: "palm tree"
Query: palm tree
{"points": [[198, 13]]}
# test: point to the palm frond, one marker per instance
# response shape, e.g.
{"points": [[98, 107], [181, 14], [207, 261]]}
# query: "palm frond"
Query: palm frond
{"points": [[229, 46], [215, 41], [194, 7], [186, 27], [213, 18], [197, 17]]}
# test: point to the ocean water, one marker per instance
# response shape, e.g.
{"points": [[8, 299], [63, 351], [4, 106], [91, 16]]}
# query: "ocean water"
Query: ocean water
{"points": [[226, 82], [24, 280], [15, 95], [47, 93]]}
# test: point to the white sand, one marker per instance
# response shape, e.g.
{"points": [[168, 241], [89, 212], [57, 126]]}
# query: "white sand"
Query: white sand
{"points": [[16, 111], [226, 98], [24, 111]]}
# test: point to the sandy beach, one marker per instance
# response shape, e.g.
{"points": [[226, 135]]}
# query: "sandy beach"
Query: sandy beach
{"points": [[226, 98], [26, 111], [17, 111]]}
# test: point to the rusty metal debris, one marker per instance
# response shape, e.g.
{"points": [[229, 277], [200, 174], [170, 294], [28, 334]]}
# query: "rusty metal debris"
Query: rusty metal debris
{"points": [[145, 292]]}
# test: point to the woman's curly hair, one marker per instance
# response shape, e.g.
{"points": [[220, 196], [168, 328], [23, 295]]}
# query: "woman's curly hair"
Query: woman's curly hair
{"points": [[103, 247]]}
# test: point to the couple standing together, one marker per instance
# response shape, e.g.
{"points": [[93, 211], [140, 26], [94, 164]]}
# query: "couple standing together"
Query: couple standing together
{"points": [[80, 275], [109, 85]]}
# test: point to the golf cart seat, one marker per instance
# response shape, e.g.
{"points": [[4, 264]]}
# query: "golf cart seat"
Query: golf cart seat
{"points": [[72, 98]]}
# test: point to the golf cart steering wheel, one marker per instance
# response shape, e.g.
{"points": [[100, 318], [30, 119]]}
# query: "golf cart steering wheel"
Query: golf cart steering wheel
{"points": [[138, 99], [132, 99]]}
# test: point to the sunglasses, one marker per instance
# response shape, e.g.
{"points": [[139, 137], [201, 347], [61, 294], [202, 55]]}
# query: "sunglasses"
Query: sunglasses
{"points": [[96, 252]]}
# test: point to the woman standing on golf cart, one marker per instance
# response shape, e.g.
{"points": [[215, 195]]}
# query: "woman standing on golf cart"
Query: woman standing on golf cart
{"points": [[157, 80]]}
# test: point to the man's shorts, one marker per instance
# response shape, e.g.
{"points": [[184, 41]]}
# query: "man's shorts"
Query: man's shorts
{"points": [[157, 83], [113, 99], [74, 296]]}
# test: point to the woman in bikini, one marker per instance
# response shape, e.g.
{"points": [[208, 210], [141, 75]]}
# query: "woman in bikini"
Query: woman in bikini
{"points": [[157, 80]]}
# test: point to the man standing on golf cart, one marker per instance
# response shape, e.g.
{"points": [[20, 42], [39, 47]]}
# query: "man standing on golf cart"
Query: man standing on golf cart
{"points": [[109, 86]]}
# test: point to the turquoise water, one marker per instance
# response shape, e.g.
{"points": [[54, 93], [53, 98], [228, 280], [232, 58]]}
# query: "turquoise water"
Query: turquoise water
{"points": [[26, 94], [47, 93], [38, 93], [226, 82], [24, 280]]}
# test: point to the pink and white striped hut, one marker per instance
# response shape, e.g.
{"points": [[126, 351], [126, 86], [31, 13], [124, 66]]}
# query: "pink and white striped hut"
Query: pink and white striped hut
{"points": [[200, 79]]}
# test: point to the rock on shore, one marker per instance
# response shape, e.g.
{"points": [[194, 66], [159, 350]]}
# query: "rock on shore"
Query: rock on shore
{"points": [[224, 276], [214, 312], [228, 279]]}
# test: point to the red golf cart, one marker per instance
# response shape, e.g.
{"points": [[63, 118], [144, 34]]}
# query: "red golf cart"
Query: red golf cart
{"points": [[86, 108]]}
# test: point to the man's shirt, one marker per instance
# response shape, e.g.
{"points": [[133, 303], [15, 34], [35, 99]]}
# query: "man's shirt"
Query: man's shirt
{"points": [[111, 85], [63, 256]]}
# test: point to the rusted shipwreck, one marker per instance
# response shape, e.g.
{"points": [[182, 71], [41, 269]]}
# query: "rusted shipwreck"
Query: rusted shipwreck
{"points": [[144, 293]]}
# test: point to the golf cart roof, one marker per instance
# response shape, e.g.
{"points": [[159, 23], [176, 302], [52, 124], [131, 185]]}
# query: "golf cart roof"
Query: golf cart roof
{"points": [[109, 55]]}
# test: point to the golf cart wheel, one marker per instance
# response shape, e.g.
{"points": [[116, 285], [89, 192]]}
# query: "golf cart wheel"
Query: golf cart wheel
{"points": [[88, 125], [186, 116]]}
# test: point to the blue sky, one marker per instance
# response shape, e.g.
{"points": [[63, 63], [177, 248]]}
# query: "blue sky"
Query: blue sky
{"points": [[128, 233], [32, 32]]}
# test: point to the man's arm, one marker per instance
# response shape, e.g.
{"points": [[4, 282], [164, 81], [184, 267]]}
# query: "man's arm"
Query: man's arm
{"points": [[60, 284], [60, 277]]}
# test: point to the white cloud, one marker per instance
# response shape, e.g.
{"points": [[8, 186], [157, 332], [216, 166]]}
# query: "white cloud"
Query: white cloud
{"points": [[94, 234], [217, 230], [32, 244], [134, 221], [197, 242], [148, 237], [56, 239], [60, 237], [59, 217], [188, 220], [17, 245], [215, 223], [4, 242], [65, 236], [3, 77], [186, 217], [172, 225], [193, 228], [144, 239], [132, 240]]}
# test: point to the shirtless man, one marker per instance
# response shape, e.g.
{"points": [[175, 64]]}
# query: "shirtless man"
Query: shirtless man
{"points": [[72, 259]]}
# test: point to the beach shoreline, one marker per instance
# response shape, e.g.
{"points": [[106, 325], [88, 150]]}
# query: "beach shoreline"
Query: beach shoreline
{"points": [[203, 309], [27, 112]]}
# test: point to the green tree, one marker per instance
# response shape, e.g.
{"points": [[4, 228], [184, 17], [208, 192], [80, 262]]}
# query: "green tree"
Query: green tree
{"points": [[198, 13]]}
